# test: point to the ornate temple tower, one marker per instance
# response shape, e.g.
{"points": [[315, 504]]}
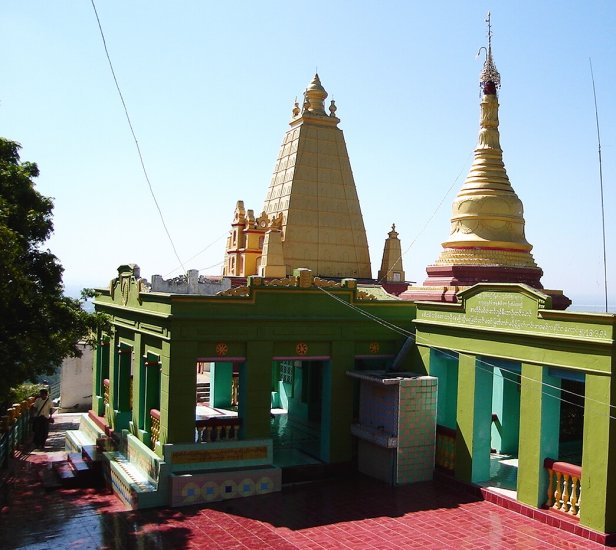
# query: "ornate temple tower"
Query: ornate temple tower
{"points": [[312, 187], [486, 241], [391, 264], [311, 216]]}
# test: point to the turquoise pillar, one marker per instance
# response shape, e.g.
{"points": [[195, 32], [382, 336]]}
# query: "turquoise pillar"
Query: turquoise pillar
{"points": [[221, 377], [506, 407], [151, 390], [326, 411], [444, 365], [121, 398]]}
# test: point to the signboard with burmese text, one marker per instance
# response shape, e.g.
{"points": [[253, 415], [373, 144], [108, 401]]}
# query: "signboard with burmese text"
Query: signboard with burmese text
{"points": [[512, 311]]}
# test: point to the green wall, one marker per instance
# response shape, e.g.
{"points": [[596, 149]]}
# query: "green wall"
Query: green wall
{"points": [[504, 325]]}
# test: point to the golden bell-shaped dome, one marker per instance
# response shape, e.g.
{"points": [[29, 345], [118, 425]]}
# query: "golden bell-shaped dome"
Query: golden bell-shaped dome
{"points": [[315, 97], [487, 221], [486, 242]]}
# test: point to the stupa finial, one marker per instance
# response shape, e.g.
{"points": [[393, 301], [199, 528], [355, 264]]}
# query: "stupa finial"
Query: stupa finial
{"points": [[489, 78], [315, 96]]}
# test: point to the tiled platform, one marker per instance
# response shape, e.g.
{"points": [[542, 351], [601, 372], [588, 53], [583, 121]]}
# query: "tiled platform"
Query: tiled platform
{"points": [[352, 513]]}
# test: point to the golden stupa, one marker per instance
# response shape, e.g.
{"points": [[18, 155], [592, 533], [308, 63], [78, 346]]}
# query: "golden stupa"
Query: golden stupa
{"points": [[486, 241]]}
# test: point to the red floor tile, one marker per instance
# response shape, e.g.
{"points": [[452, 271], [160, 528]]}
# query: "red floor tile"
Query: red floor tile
{"points": [[346, 514]]}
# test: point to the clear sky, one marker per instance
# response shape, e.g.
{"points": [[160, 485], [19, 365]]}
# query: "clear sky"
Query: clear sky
{"points": [[210, 88]]}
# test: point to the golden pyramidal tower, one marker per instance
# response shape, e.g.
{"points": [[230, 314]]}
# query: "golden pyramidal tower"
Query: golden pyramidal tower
{"points": [[311, 215]]}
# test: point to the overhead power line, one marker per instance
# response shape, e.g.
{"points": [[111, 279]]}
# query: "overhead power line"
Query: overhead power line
{"points": [[480, 364], [424, 227], [132, 131]]}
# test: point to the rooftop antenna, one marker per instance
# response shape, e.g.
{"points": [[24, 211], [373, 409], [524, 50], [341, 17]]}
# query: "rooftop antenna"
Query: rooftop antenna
{"points": [[592, 76]]}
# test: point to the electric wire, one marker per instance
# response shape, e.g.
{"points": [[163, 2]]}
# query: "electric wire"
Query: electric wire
{"points": [[213, 265], [453, 355], [374, 318], [199, 253], [426, 224], [412, 335], [132, 130], [489, 369]]}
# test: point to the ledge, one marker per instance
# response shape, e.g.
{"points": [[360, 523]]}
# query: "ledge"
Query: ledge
{"points": [[376, 436]]}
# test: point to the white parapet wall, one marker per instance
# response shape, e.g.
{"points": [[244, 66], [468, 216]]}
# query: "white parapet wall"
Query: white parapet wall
{"points": [[191, 283], [76, 381]]}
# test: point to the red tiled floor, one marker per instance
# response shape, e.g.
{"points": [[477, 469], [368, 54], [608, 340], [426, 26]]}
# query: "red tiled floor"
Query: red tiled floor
{"points": [[345, 514]]}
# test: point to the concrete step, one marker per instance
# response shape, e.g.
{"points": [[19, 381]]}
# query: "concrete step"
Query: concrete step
{"points": [[65, 475], [203, 392], [91, 453], [78, 463], [71, 473], [49, 478]]}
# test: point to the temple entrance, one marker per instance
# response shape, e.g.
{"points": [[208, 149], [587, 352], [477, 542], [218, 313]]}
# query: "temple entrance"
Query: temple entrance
{"points": [[444, 366], [561, 423], [297, 411], [505, 426], [571, 431], [217, 406], [203, 382]]}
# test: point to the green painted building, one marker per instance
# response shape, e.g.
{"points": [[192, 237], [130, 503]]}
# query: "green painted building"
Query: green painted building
{"points": [[278, 351], [526, 393], [521, 387], [525, 404]]}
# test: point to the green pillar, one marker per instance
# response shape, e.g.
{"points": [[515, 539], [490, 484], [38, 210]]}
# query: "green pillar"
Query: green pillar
{"points": [[598, 507], [221, 381], [120, 384], [474, 416], [178, 393], [336, 439], [137, 382], [255, 391], [539, 432], [420, 359], [100, 372], [151, 388]]}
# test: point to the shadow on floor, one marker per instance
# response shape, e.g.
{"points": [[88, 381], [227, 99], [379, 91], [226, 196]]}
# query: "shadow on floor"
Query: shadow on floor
{"points": [[335, 501]]}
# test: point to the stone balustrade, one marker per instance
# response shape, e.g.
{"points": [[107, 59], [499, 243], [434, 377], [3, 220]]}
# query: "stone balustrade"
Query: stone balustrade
{"points": [[14, 429], [217, 429], [106, 391], [564, 486], [445, 448], [154, 427]]}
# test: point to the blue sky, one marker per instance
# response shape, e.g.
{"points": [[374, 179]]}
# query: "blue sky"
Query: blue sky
{"points": [[210, 87]]}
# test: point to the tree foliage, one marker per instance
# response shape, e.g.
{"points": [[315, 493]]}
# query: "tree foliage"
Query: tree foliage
{"points": [[39, 326]]}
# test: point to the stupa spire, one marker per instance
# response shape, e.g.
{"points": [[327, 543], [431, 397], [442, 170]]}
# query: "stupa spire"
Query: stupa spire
{"points": [[315, 96], [490, 77], [487, 223], [486, 242]]}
